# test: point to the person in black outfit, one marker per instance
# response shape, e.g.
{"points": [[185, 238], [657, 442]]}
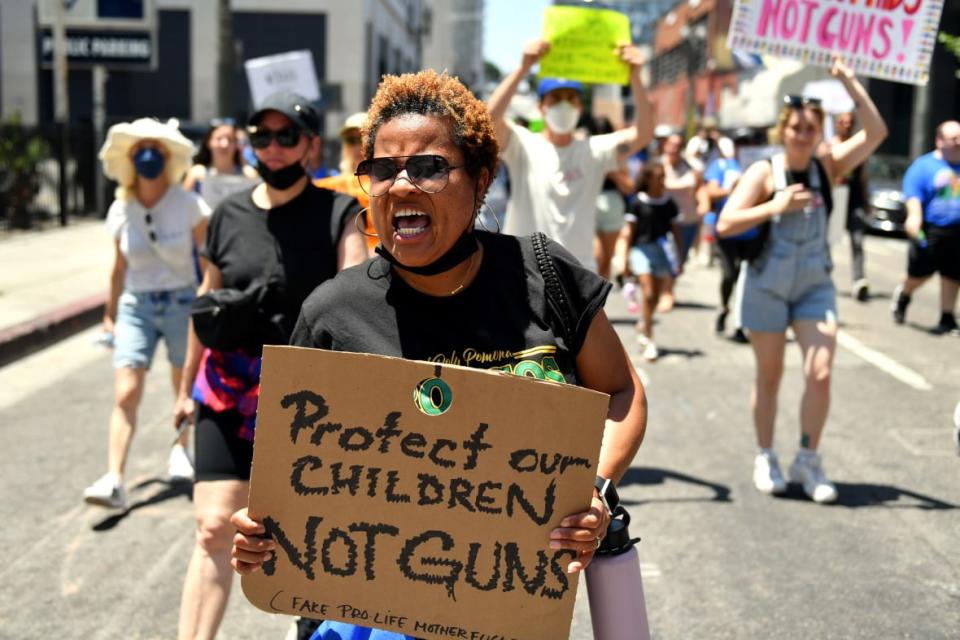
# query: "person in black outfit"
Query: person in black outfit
{"points": [[857, 182], [640, 251], [440, 290], [296, 236]]}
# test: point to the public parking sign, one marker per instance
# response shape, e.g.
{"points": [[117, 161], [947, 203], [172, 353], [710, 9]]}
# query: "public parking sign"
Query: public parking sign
{"points": [[113, 49], [117, 34]]}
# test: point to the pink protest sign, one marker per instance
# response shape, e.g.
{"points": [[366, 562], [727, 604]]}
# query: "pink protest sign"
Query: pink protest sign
{"points": [[889, 39]]}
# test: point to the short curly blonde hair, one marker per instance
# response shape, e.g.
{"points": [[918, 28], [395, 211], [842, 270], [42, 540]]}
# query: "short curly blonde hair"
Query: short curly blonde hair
{"points": [[429, 93]]}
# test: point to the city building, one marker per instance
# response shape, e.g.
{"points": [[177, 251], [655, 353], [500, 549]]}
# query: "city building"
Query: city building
{"points": [[454, 39], [352, 43]]}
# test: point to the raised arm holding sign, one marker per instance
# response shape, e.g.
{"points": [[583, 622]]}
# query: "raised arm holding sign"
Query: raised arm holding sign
{"points": [[552, 192]]}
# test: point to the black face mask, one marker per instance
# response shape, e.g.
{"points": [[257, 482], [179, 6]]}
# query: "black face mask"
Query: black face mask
{"points": [[282, 178], [465, 246]]}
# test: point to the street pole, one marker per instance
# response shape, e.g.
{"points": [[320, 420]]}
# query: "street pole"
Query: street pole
{"points": [[99, 124], [225, 64], [61, 100]]}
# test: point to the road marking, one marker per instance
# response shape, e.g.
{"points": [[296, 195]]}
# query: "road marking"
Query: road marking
{"points": [[935, 435], [883, 362], [650, 570]]}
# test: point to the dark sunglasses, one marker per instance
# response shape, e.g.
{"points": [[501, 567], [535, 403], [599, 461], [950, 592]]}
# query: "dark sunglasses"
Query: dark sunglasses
{"points": [[801, 101], [288, 137], [222, 122], [350, 138], [429, 173], [148, 218]]}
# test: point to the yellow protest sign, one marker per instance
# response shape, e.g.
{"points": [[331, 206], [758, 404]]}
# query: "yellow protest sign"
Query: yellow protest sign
{"points": [[583, 45], [418, 497]]}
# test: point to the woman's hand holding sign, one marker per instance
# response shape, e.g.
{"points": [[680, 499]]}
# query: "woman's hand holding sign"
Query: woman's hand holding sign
{"points": [[582, 532], [250, 550]]}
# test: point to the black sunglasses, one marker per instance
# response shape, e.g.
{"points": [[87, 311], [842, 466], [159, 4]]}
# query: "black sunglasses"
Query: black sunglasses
{"points": [[429, 173], [148, 218], [288, 137], [801, 101]]}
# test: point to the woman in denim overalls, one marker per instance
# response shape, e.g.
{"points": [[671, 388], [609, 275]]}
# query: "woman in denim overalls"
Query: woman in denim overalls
{"points": [[789, 284]]}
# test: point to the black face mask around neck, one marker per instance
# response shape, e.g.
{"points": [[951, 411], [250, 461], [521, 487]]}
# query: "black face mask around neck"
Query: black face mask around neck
{"points": [[465, 246], [283, 178]]}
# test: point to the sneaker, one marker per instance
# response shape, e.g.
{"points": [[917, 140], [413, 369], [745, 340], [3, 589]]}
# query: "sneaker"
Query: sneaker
{"points": [[721, 323], [808, 471], [947, 325], [899, 305], [179, 466], [767, 477], [650, 351], [106, 492], [740, 337], [861, 290]]}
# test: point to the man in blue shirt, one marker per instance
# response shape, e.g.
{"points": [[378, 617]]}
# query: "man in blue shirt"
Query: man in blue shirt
{"points": [[932, 189]]}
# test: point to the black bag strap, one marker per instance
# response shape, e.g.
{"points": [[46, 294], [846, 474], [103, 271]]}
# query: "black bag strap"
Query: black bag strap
{"points": [[556, 295]]}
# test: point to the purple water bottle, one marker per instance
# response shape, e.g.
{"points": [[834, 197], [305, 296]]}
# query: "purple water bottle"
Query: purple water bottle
{"points": [[618, 609]]}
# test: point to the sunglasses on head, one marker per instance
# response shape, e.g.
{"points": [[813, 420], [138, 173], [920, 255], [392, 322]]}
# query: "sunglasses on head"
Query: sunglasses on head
{"points": [[429, 173], [801, 101], [288, 137]]}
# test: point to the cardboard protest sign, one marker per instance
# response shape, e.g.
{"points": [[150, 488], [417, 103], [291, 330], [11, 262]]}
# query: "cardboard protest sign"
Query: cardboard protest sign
{"points": [[215, 188], [888, 39], [293, 71], [419, 497], [583, 45]]}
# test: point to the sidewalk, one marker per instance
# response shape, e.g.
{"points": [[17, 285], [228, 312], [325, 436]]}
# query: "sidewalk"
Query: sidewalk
{"points": [[53, 283]]}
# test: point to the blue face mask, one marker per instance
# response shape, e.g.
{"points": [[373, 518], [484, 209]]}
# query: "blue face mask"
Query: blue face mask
{"points": [[148, 162]]}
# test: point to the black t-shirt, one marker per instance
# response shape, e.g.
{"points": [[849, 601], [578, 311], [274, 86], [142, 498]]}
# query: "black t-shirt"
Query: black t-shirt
{"points": [[651, 218], [803, 177], [501, 321], [293, 245]]}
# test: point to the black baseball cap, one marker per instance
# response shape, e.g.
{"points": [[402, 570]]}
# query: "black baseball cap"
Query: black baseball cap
{"points": [[294, 106]]}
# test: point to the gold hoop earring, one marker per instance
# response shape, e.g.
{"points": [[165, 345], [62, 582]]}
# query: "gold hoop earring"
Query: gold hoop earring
{"points": [[492, 215], [356, 223]]}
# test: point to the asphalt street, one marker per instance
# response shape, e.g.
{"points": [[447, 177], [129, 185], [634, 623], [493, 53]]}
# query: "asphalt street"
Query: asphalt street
{"points": [[719, 559]]}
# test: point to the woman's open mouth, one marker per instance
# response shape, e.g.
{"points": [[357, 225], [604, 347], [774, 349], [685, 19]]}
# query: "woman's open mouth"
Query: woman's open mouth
{"points": [[410, 224]]}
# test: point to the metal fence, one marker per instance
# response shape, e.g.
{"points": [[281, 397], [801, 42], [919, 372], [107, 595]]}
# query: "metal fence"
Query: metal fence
{"points": [[43, 181]]}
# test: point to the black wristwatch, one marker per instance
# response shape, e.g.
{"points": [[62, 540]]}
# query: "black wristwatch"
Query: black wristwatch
{"points": [[608, 493]]}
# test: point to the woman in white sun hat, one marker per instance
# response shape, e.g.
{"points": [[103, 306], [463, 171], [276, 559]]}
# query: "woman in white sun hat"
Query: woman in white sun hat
{"points": [[156, 226]]}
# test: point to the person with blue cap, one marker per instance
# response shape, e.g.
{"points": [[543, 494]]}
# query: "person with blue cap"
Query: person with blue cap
{"points": [[555, 176]]}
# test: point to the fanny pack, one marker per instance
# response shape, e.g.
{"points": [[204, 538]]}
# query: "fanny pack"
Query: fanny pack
{"points": [[223, 318]]}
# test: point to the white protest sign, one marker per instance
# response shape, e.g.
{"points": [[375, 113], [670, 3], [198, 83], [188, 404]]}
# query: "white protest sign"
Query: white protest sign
{"points": [[292, 71], [888, 39]]}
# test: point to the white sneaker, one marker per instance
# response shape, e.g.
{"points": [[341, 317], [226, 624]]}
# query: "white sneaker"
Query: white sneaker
{"points": [[650, 351], [180, 467], [106, 492], [808, 471], [767, 477]]}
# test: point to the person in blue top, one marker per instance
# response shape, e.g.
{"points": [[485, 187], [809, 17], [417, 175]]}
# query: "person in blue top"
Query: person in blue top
{"points": [[932, 189], [720, 178]]}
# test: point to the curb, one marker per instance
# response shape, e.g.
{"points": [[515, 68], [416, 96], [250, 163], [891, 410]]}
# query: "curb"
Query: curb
{"points": [[20, 340]]}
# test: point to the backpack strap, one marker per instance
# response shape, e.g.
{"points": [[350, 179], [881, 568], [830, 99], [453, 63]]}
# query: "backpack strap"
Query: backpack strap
{"points": [[557, 298]]}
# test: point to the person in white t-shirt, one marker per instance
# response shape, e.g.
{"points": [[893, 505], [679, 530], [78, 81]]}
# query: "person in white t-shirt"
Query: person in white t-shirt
{"points": [[555, 177], [156, 226]]}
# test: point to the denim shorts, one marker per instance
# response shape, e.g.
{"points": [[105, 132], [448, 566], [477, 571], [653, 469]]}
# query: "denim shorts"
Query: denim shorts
{"points": [[649, 258], [146, 316], [786, 291], [610, 211]]}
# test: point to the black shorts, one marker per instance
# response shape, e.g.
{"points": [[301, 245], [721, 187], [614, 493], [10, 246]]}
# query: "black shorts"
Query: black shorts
{"points": [[941, 255], [220, 454]]}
